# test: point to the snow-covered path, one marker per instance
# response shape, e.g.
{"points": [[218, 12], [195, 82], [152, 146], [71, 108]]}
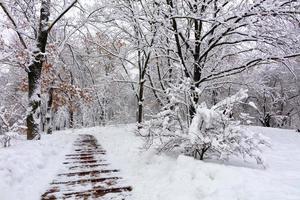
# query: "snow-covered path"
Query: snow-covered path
{"points": [[27, 168], [87, 175]]}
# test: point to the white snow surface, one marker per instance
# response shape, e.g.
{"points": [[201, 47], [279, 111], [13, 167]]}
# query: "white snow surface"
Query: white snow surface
{"points": [[169, 176], [27, 168]]}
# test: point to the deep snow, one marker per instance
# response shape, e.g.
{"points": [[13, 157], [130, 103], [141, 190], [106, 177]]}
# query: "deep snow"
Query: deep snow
{"points": [[27, 168], [165, 177]]}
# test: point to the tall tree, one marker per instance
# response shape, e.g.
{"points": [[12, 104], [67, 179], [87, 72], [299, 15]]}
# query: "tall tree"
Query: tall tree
{"points": [[37, 58]]}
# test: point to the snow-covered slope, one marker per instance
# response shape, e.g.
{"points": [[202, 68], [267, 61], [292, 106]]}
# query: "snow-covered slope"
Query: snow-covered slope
{"points": [[27, 168], [165, 177]]}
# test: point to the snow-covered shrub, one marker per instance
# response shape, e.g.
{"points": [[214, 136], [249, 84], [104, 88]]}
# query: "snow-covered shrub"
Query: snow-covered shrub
{"points": [[5, 140], [165, 130], [8, 137], [168, 129], [11, 119], [215, 133]]}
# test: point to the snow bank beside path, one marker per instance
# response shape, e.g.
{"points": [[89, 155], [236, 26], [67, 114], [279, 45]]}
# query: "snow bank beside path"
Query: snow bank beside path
{"points": [[165, 177], [27, 167]]}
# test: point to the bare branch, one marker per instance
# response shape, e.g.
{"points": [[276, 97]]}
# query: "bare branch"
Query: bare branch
{"points": [[62, 14], [10, 17]]}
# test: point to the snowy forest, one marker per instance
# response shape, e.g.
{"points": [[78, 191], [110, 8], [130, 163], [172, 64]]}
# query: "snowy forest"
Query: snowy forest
{"points": [[189, 80]]}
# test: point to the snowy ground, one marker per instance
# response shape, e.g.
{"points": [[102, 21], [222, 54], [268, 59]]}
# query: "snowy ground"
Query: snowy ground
{"points": [[27, 168], [164, 177]]}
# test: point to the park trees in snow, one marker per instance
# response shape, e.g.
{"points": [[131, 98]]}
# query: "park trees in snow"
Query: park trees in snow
{"points": [[155, 61], [213, 42], [32, 29]]}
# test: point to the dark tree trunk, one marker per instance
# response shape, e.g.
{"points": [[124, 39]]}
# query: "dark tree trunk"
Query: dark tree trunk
{"points": [[196, 76], [71, 118], [266, 121], [34, 96], [197, 68], [34, 75], [49, 112], [140, 102]]}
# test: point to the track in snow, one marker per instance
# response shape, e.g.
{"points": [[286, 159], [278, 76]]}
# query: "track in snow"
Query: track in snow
{"points": [[87, 175]]}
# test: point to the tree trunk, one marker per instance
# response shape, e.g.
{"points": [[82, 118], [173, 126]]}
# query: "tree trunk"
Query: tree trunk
{"points": [[49, 112], [34, 99], [34, 75], [197, 67], [141, 101], [71, 118]]}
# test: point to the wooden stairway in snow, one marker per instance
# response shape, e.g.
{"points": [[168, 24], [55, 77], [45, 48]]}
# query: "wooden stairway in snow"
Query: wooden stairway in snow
{"points": [[87, 175]]}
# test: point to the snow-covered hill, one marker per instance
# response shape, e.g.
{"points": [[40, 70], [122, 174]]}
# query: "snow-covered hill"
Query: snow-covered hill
{"points": [[27, 168]]}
